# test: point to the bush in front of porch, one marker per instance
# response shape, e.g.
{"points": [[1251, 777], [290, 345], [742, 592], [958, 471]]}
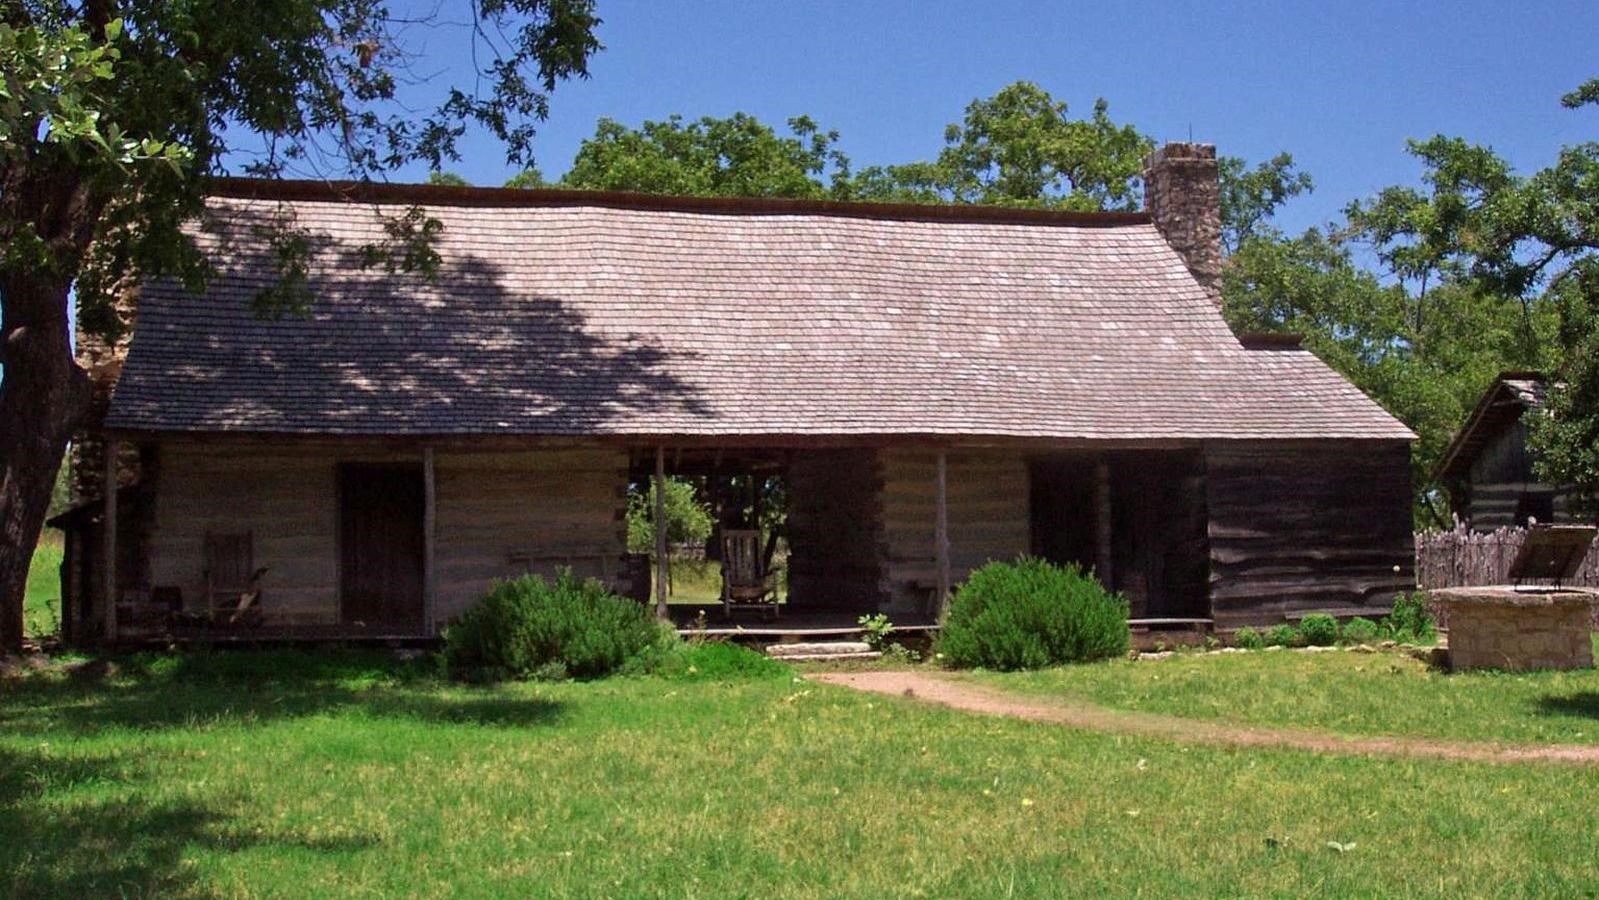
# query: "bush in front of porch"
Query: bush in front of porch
{"points": [[533, 628], [1032, 613]]}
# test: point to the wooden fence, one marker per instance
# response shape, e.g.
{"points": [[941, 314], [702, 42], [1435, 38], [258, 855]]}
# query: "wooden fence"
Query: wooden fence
{"points": [[1464, 557]]}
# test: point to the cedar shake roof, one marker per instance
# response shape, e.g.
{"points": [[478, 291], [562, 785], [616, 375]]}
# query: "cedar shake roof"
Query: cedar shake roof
{"points": [[572, 313], [1511, 394]]}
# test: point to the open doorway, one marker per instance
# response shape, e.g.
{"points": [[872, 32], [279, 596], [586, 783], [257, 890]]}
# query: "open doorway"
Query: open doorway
{"points": [[1139, 514], [381, 545], [717, 503]]}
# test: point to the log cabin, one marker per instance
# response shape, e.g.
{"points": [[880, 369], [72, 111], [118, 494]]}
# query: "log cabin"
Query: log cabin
{"points": [[938, 386], [1488, 467]]}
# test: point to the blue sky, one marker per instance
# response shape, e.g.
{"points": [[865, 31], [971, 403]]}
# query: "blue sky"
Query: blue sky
{"points": [[1340, 85]]}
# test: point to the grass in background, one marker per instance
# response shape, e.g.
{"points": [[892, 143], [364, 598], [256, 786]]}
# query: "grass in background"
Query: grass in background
{"points": [[41, 605], [1342, 692], [698, 582]]}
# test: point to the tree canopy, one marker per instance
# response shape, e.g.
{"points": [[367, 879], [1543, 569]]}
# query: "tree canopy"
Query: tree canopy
{"points": [[739, 156], [1020, 147]]}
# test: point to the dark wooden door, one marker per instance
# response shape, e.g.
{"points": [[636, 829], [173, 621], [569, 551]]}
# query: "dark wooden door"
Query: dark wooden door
{"points": [[380, 534]]}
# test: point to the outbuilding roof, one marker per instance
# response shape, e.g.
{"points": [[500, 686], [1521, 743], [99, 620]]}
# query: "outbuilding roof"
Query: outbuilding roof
{"points": [[576, 314], [1511, 394]]}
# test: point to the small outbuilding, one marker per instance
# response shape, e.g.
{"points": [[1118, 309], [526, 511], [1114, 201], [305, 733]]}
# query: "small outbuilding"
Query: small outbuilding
{"points": [[936, 387], [1488, 467]]}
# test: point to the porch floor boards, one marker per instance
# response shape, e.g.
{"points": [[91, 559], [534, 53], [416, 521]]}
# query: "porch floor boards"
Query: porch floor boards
{"points": [[792, 626], [276, 634]]}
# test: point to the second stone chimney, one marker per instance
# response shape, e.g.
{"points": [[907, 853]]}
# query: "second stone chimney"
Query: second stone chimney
{"points": [[1182, 195]]}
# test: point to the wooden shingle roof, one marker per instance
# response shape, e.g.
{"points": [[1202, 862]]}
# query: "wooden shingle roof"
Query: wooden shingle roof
{"points": [[558, 313]]}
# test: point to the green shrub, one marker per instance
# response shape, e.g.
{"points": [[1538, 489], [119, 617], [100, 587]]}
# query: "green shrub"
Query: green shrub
{"points": [[900, 655], [1410, 622], [530, 627], [1248, 638], [712, 661], [1319, 630], [1029, 614], [875, 630], [1360, 630], [1282, 636]]}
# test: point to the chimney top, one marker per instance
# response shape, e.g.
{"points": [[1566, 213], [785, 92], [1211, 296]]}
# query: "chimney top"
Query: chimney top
{"points": [[1177, 150], [1183, 197]]}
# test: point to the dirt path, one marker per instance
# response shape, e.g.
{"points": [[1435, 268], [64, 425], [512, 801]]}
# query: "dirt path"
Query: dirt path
{"points": [[954, 693]]}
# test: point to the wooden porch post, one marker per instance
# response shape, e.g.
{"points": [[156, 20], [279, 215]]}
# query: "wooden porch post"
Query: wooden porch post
{"points": [[1102, 513], [661, 574], [429, 522], [108, 533], [941, 530]]}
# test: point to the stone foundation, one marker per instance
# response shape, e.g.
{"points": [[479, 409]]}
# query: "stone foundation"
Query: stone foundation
{"points": [[1503, 628]]}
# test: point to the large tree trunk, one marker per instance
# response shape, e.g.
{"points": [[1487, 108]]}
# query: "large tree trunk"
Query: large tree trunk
{"points": [[43, 399]]}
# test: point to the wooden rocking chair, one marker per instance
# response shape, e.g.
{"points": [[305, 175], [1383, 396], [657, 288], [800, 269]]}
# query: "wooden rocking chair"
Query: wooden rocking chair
{"points": [[746, 583], [232, 582]]}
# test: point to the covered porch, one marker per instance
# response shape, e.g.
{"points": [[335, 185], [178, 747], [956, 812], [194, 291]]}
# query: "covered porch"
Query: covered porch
{"points": [[343, 541], [894, 529]]}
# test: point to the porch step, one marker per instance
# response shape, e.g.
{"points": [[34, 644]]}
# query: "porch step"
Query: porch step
{"points": [[821, 651]]}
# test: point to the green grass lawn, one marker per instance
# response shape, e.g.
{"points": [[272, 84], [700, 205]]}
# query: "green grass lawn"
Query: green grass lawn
{"points": [[331, 775], [1342, 692], [698, 582], [41, 608]]}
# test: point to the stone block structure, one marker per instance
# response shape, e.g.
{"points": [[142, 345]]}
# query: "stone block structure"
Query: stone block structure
{"points": [[1183, 196], [1500, 627]]}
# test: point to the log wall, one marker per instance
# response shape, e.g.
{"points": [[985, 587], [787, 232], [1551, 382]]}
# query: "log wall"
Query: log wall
{"points": [[503, 514], [1508, 505], [286, 496], [498, 514], [1299, 527], [988, 519]]}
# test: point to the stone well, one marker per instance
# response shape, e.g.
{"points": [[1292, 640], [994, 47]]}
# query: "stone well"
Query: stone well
{"points": [[1518, 629]]}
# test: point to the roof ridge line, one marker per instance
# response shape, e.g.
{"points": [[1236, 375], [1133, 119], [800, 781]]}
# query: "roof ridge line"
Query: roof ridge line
{"points": [[453, 195]]}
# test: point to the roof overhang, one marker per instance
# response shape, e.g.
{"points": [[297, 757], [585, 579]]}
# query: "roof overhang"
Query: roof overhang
{"points": [[1500, 405]]}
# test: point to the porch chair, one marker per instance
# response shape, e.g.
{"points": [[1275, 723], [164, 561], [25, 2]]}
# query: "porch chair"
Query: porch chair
{"points": [[746, 583], [232, 582]]}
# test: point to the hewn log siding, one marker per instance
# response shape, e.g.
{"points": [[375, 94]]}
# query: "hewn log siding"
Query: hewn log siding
{"points": [[287, 497], [835, 529], [988, 519], [553, 507], [1295, 527]]}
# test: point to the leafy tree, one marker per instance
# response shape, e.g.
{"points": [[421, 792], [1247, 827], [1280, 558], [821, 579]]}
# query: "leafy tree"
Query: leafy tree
{"points": [[1525, 251], [1567, 438], [528, 178], [1021, 148], [1559, 216], [688, 521], [112, 114], [447, 179], [1250, 197], [739, 156]]}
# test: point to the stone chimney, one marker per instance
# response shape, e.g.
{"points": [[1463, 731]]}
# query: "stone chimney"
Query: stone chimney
{"points": [[1182, 195], [102, 360]]}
